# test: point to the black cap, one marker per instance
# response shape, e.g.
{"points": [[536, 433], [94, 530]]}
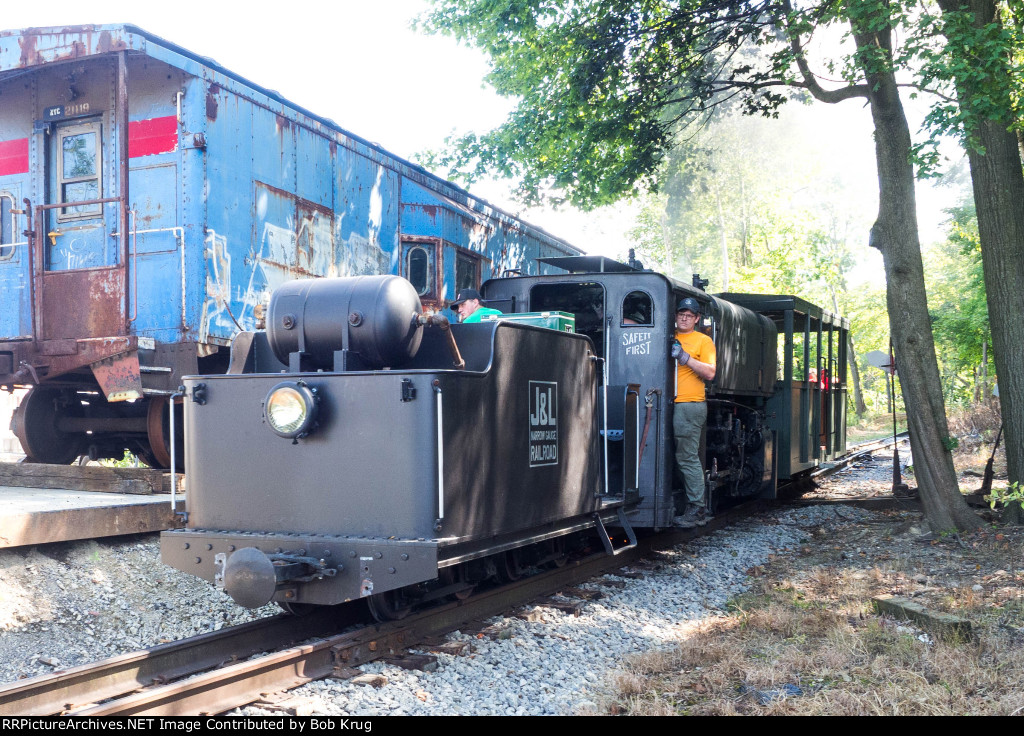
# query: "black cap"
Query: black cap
{"points": [[688, 304], [465, 295]]}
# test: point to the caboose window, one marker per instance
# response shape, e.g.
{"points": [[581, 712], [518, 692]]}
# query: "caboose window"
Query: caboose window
{"points": [[417, 269], [6, 226], [80, 165], [467, 272]]}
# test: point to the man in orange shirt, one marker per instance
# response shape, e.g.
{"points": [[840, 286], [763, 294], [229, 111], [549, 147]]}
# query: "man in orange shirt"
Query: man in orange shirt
{"points": [[694, 354]]}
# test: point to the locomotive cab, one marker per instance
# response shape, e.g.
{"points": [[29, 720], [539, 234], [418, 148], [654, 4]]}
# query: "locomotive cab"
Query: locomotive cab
{"points": [[629, 314]]}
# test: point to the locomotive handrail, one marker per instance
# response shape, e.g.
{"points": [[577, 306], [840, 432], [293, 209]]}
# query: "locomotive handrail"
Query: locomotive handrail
{"points": [[440, 457], [174, 503]]}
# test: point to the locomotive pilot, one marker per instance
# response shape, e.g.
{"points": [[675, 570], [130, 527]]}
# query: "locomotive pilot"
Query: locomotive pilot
{"points": [[694, 354], [467, 305]]}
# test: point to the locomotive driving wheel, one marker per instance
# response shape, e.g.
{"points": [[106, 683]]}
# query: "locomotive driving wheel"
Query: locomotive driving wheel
{"points": [[510, 566], [299, 610], [558, 554], [391, 605], [458, 577], [36, 422]]}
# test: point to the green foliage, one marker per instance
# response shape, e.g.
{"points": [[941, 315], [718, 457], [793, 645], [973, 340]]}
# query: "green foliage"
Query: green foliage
{"points": [[128, 460], [606, 89], [975, 63], [958, 306], [603, 86], [1012, 494]]}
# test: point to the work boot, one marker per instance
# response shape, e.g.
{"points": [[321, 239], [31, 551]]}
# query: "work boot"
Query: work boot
{"points": [[694, 516]]}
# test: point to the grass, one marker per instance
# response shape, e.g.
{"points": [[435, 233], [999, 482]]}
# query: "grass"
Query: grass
{"points": [[874, 426], [814, 629]]}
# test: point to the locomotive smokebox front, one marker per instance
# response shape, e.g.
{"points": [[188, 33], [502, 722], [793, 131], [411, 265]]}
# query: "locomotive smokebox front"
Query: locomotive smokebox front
{"points": [[371, 317]]}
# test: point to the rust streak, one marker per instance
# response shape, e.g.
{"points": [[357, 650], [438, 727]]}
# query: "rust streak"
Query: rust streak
{"points": [[211, 102], [28, 49]]}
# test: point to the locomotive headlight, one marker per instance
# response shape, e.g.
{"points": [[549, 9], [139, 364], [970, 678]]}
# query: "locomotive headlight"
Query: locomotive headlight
{"points": [[290, 409]]}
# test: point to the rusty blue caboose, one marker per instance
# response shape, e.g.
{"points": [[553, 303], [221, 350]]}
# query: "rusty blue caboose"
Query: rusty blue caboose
{"points": [[150, 200]]}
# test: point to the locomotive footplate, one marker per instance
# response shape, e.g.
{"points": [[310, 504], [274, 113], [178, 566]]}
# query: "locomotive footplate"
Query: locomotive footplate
{"points": [[299, 568]]}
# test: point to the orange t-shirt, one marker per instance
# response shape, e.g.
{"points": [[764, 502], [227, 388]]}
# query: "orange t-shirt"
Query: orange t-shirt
{"points": [[690, 386]]}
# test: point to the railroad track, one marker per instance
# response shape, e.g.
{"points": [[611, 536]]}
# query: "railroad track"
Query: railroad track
{"points": [[71, 689], [216, 672]]}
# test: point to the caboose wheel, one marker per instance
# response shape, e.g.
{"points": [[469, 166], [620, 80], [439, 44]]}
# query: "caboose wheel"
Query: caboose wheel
{"points": [[158, 432], [389, 606], [36, 423]]}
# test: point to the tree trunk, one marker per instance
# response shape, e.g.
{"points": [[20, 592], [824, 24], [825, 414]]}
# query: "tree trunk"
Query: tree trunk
{"points": [[859, 407], [998, 184], [984, 370], [895, 234], [725, 242], [999, 199], [744, 260]]}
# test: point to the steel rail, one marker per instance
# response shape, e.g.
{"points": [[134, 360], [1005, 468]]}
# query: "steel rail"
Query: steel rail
{"points": [[58, 692]]}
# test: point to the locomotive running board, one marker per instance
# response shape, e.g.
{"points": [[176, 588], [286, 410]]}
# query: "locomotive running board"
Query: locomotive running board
{"points": [[606, 540]]}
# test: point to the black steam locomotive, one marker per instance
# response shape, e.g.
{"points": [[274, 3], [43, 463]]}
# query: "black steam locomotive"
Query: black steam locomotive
{"points": [[361, 449]]}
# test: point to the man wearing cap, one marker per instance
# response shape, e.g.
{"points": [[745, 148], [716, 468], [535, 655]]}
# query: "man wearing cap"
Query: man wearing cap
{"points": [[467, 304], [694, 354]]}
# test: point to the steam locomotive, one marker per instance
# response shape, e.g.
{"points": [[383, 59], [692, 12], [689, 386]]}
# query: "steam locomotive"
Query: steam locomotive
{"points": [[361, 449]]}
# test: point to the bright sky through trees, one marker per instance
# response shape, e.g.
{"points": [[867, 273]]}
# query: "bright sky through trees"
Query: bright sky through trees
{"points": [[359, 64]]}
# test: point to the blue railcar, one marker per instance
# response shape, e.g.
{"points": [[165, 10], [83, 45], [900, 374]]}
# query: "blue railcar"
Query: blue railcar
{"points": [[149, 202]]}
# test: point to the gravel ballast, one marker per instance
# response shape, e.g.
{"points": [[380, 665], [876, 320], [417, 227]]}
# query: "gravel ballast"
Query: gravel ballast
{"points": [[72, 603]]}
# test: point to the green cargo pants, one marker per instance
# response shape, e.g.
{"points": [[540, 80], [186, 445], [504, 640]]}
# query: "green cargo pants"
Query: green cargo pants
{"points": [[688, 418]]}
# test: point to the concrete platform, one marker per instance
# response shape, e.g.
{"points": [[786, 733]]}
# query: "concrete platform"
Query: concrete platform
{"points": [[40, 515]]}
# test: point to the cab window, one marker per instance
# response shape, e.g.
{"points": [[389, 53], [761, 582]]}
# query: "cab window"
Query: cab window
{"points": [[637, 309]]}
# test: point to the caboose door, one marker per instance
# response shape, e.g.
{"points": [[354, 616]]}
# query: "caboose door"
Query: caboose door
{"points": [[80, 279]]}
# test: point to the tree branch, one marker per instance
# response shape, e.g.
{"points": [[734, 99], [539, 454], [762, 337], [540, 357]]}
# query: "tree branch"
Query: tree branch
{"points": [[810, 82]]}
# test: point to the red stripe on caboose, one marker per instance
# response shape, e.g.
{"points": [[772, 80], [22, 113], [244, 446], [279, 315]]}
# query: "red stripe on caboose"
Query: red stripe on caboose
{"points": [[14, 157], [156, 135]]}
